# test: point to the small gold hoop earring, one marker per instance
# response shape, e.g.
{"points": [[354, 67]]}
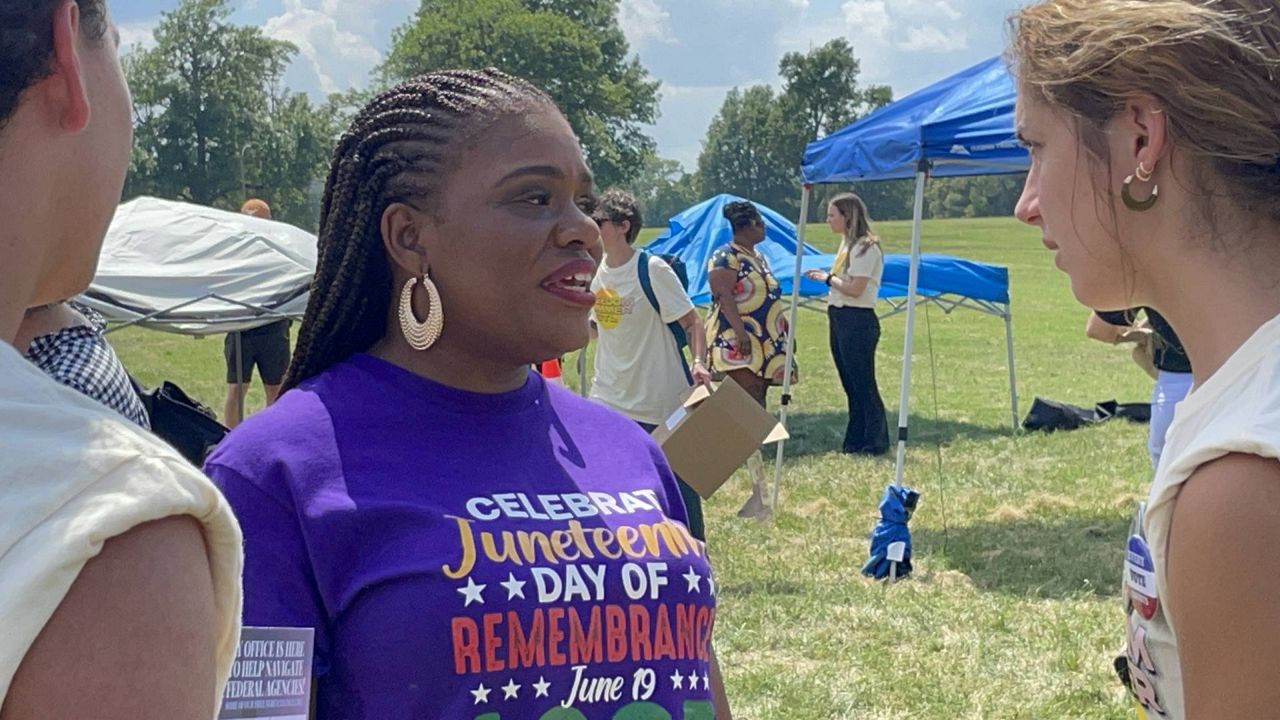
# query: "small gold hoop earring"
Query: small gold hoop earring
{"points": [[421, 335], [1143, 174], [1126, 194]]}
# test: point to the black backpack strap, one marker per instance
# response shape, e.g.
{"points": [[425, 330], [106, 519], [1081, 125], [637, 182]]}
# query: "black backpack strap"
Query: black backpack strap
{"points": [[677, 332], [646, 283]]}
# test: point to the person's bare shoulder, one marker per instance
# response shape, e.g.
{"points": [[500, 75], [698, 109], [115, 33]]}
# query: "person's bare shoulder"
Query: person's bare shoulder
{"points": [[134, 637], [1224, 578]]}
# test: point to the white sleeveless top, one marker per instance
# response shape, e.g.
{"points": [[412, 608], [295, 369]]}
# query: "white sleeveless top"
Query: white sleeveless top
{"points": [[74, 474], [1237, 410]]}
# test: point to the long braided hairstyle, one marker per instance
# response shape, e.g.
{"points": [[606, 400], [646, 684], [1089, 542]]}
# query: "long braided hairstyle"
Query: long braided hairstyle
{"points": [[401, 145]]}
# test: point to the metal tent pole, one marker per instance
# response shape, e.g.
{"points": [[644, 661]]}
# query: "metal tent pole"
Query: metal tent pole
{"points": [[791, 339], [922, 174], [1013, 378], [240, 392]]}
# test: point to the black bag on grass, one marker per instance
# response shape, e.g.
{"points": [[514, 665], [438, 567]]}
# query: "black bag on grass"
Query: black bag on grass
{"points": [[1051, 415], [191, 428]]}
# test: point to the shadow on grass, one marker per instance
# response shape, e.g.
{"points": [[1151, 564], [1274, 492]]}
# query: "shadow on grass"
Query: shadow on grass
{"points": [[1032, 557], [770, 586], [823, 432]]}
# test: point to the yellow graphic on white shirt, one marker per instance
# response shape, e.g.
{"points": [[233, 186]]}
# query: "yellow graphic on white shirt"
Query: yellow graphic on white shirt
{"points": [[608, 308]]}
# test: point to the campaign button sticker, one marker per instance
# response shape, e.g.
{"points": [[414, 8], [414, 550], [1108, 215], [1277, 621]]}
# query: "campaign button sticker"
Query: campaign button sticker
{"points": [[1140, 577]]}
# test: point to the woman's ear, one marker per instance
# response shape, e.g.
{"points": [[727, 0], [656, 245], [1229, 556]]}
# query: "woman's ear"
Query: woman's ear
{"points": [[1145, 132], [406, 234]]}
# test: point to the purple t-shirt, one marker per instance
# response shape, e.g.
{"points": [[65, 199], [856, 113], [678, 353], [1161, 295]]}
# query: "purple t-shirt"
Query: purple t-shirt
{"points": [[468, 556]]}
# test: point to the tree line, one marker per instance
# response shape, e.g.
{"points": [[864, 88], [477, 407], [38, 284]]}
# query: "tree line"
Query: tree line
{"points": [[214, 123]]}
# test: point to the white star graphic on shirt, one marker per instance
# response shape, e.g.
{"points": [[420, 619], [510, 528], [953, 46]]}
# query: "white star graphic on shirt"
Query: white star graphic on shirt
{"points": [[510, 690], [706, 682], [677, 680], [514, 587], [711, 585], [541, 687], [472, 592], [481, 694], [694, 580]]}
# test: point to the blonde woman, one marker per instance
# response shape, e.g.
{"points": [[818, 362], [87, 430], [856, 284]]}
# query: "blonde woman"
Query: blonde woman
{"points": [[853, 325], [1154, 131]]}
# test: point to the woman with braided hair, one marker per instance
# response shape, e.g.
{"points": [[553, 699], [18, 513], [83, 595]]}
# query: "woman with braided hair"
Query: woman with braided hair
{"points": [[467, 540], [1154, 131], [748, 335]]}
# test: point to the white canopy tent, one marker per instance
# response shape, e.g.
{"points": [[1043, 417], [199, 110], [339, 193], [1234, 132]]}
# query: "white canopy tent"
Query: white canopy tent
{"points": [[195, 270]]}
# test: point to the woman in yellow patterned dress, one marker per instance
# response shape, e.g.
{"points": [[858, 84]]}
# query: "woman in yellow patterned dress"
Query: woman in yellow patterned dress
{"points": [[748, 338]]}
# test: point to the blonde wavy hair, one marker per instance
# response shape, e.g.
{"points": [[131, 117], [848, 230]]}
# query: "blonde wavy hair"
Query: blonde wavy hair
{"points": [[857, 230], [1213, 65]]}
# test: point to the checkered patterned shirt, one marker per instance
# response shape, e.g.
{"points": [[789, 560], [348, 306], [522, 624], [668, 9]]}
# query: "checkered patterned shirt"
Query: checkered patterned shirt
{"points": [[80, 358]]}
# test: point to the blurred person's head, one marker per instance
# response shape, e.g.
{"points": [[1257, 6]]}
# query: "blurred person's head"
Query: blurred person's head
{"points": [[65, 139], [619, 218], [257, 208], [475, 180], [745, 219], [847, 215], [1117, 98]]}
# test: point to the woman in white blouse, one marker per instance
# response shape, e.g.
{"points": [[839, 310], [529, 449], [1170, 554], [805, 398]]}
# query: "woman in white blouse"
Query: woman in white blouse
{"points": [[854, 327]]}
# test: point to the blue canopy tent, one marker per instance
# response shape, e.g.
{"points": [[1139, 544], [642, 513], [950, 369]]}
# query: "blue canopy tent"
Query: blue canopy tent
{"points": [[697, 232], [959, 126]]}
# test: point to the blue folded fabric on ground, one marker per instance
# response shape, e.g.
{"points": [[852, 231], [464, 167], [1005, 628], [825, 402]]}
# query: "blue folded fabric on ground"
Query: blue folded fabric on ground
{"points": [[896, 507]]}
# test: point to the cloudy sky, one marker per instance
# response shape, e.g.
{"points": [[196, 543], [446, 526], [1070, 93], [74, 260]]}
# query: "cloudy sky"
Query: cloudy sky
{"points": [[699, 49]]}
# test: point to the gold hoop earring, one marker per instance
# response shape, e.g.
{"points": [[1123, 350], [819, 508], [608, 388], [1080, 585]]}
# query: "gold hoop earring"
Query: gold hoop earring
{"points": [[1126, 194], [1142, 173], [421, 335]]}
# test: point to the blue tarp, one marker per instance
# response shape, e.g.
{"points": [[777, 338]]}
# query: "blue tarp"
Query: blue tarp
{"points": [[963, 124], [696, 233], [943, 274]]}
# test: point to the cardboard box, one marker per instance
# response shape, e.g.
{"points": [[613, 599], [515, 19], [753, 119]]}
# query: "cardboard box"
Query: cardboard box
{"points": [[713, 433]]}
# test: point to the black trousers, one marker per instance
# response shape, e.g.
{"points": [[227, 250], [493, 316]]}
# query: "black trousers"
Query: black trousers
{"points": [[855, 333]]}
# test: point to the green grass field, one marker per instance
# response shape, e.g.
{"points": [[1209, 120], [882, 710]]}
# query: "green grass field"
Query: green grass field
{"points": [[1014, 611]]}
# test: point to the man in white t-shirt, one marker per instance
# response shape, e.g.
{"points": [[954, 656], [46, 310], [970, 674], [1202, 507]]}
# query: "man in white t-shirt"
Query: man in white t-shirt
{"points": [[639, 370]]}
